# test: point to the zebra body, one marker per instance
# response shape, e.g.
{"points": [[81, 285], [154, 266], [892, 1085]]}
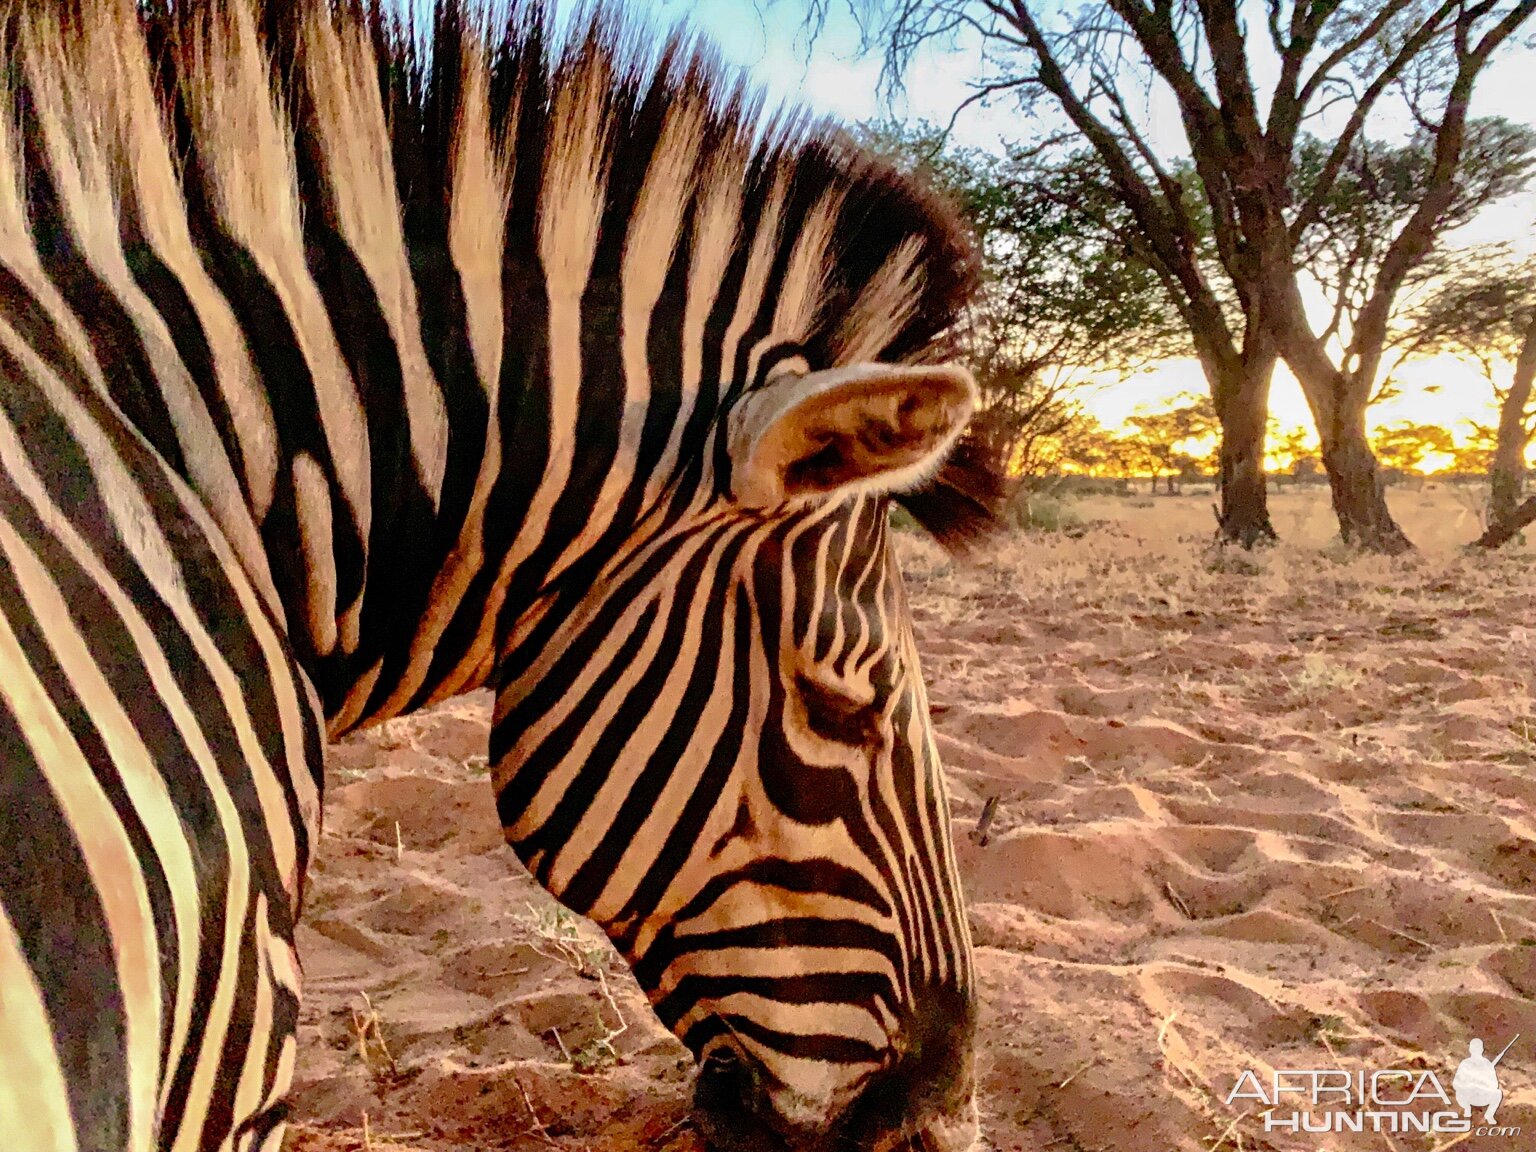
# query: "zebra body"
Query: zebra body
{"points": [[162, 760], [340, 374]]}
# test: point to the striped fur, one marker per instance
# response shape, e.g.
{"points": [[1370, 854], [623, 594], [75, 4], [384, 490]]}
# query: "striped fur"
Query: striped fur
{"points": [[345, 368]]}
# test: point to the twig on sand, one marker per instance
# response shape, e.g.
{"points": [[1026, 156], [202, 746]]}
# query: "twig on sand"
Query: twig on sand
{"points": [[1231, 1130], [1083, 763], [563, 1050], [1162, 1033], [538, 1125], [1353, 888], [613, 1005], [1168, 1060], [666, 1137], [370, 1136], [1428, 947], [1467, 1135], [1328, 1044], [982, 834], [369, 1024], [1077, 1073], [1178, 901]]}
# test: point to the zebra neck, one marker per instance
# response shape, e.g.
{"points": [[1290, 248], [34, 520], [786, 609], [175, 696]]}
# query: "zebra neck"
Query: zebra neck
{"points": [[339, 451]]}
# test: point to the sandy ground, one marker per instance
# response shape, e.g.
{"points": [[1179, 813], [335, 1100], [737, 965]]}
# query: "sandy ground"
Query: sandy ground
{"points": [[1250, 813]]}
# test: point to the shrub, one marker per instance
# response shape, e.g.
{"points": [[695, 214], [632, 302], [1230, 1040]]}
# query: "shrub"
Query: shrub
{"points": [[1037, 512]]}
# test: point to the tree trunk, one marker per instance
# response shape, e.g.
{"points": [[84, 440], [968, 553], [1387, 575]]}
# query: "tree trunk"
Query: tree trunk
{"points": [[1506, 474], [1359, 496], [1338, 402], [1506, 480], [1503, 531], [1243, 407]]}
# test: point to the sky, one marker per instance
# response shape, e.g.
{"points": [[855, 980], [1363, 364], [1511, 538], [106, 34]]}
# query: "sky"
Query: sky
{"points": [[833, 77]]}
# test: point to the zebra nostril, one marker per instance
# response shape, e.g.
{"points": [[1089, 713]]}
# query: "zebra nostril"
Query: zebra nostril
{"points": [[721, 1081], [728, 1108], [721, 1062]]}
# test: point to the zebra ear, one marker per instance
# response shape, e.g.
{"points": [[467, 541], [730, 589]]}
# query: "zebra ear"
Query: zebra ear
{"points": [[863, 428]]}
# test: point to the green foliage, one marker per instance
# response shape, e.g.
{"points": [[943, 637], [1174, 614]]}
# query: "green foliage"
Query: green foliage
{"points": [[1091, 448], [1062, 276], [1363, 209], [1042, 512], [1382, 183], [1474, 455], [1061, 300], [1480, 306], [1297, 452]]}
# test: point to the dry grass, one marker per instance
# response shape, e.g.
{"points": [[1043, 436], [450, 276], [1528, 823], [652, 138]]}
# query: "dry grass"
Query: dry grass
{"points": [[372, 1048], [559, 934], [1145, 554]]}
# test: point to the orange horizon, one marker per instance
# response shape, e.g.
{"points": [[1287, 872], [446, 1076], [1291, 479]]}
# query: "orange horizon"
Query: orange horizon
{"points": [[1441, 391]]}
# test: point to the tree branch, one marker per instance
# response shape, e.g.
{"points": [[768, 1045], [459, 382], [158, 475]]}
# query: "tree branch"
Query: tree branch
{"points": [[1416, 237], [1203, 123], [1168, 228], [1349, 46], [1356, 122]]}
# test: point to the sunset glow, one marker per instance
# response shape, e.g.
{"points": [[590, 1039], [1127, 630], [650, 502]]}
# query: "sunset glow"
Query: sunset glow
{"points": [[1440, 390]]}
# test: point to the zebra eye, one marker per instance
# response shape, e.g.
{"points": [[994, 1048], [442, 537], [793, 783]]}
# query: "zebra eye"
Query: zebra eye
{"points": [[833, 715]]}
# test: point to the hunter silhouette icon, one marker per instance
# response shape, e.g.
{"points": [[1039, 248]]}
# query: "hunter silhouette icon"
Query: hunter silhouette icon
{"points": [[1476, 1082]]}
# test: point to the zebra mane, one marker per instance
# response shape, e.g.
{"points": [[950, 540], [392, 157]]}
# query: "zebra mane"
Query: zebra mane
{"points": [[494, 138]]}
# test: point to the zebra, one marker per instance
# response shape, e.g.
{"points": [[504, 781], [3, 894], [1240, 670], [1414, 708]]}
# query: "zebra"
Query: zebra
{"points": [[350, 363]]}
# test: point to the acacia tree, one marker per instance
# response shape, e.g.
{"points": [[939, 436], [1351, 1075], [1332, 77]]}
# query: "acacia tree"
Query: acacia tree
{"points": [[1296, 449], [1379, 188], [1482, 308], [1088, 448], [1059, 303], [1473, 456], [1243, 144], [1173, 438]]}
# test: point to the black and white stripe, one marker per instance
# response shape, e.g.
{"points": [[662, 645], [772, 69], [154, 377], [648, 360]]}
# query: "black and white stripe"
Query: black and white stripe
{"points": [[344, 368]]}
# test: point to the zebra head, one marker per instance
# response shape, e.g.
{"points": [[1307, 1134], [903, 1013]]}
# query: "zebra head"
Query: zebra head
{"points": [[723, 755]]}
